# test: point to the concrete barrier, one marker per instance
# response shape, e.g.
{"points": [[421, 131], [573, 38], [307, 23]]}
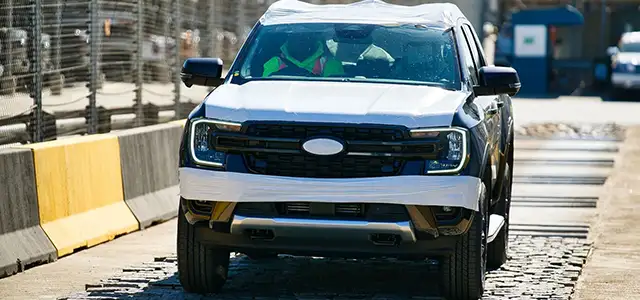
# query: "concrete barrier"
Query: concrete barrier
{"points": [[80, 195], [23, 243], [60, 196], [179, 122], [149, 162]]}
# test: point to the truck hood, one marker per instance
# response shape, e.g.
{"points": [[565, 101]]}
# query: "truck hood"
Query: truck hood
{"points": [[341, 102]]}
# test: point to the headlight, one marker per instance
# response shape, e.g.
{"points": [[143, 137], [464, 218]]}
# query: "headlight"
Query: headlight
{"points": [[453, 149], [203, 151]]}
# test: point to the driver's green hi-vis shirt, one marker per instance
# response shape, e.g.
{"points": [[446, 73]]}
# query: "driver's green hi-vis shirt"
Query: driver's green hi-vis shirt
{"points": [[316, 63]]}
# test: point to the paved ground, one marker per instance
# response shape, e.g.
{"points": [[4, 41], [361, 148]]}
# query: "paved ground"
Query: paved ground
{"points": [[613, 270], [551, 219]]}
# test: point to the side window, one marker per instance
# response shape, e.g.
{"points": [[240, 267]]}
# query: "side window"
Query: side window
{"points": [[468, 35], [478, 56], [469, 61]]}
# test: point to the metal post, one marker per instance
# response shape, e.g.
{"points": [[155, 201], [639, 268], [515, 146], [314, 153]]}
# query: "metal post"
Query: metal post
{"points": [[177, 23], [58, 43], [603, 24], [139, 65], [241, 10], [36, 69], [9, 48], [211, 29], [93, 60]]}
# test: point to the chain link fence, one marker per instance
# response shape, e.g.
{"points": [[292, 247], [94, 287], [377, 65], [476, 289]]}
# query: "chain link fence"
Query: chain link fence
{"points": [[73, 67]]}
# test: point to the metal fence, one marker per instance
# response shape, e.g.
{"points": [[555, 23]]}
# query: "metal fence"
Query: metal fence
{"points": [[70, 67]]}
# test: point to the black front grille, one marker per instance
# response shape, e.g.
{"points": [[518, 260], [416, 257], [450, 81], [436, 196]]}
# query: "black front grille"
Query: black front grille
{"points": [[370, 151], [343, 166], [329, 211], [303, 209], [346, 132]]}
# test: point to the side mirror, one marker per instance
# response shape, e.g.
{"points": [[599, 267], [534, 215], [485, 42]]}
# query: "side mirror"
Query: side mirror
{"points": [[502, 63], [497, 80], [613, 50], [202, 71]]}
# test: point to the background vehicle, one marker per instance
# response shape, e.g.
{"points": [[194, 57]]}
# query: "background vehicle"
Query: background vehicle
{"points": [[625, 66], [292, 154], [7, 82], [15, 59], [52, 78]]}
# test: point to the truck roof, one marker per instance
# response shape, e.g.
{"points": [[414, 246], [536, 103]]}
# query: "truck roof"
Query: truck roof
{"points": [[630, 37], [365, 11]]}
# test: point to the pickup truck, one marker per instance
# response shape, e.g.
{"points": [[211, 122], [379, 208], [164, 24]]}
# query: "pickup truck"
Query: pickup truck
{"points": [[355, 130]]}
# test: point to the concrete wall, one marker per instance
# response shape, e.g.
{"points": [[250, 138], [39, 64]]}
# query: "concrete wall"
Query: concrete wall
{"points": [[62, 196]]}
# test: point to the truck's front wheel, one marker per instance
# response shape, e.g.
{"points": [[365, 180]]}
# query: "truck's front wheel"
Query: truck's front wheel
{"points": [[464, 270], [201, 269]]}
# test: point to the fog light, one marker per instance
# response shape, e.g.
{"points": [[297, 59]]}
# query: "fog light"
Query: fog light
{"points": [[447, 209]]}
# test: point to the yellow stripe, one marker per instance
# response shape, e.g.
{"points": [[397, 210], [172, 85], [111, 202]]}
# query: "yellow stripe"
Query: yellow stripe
{"points": [[179, 122], [222, 211]]}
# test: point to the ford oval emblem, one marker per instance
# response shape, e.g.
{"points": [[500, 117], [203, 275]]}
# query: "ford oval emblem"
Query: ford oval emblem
{"points": [[322, 146]]}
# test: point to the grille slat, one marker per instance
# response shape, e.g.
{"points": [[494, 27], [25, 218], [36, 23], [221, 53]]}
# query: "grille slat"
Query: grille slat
{"points": [[349, 209], [353, 133], [297, 208], [298, 165], [340, 211]]}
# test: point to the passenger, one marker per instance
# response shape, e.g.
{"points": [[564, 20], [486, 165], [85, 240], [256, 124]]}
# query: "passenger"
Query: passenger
{"points": [[306, 52]]}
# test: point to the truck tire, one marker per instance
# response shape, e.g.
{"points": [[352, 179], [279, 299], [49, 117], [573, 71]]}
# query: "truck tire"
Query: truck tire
{"points": [[463, 272], [201, 269], [497, 249]]}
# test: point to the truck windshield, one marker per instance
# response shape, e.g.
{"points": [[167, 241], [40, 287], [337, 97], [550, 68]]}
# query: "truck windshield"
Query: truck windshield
{"points": [[630, 47], [402, 54]]}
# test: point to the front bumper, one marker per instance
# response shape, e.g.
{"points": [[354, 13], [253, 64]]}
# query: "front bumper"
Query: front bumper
{"points": [[420, 234], [325, 238], [256, 228], [626, 80], [216, 186]]}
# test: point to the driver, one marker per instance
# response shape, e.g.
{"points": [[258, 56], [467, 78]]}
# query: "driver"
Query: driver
{"points": [[304, 51]]}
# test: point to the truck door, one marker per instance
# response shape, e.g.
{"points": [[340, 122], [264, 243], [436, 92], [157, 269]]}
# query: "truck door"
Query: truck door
{"points": [[492, 105]]}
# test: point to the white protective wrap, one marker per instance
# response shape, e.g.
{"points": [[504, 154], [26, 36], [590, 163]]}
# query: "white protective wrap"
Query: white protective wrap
{"points": [[300, 101], [366, 11], [206, 185]]}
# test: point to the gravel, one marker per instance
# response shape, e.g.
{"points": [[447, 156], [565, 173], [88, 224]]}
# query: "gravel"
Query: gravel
{"points": [[538, 268], [610, 131]]}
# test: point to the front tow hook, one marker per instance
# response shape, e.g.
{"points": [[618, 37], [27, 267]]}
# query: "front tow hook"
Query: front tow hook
{"points": [[385, 239]]}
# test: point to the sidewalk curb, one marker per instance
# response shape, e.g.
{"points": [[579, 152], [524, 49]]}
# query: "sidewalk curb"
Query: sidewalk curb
{"points": [[612, 270]]}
